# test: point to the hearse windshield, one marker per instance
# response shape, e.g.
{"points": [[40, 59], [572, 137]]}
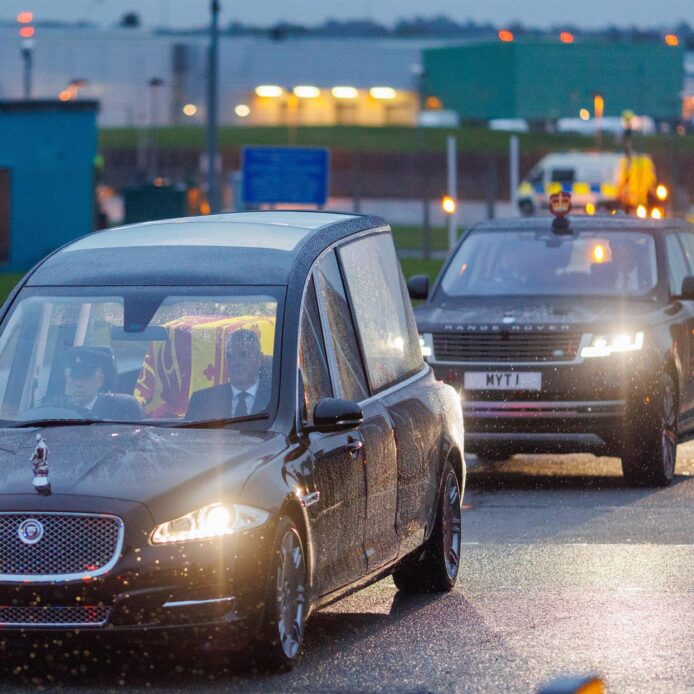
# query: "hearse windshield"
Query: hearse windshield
{"points": [[152, 355], [528, 263]]}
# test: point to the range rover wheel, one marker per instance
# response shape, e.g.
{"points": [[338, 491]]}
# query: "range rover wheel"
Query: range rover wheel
{"points": [[435, 568], [649, 460], [282, 632]]}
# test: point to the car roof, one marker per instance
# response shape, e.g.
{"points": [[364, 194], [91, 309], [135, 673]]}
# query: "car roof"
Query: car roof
{"points": [[241, 248], [586, 223]]}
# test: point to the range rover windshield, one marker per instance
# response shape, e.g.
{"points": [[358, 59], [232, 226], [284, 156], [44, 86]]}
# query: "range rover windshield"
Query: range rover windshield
{"points": [[146, 354], [527, 263]]}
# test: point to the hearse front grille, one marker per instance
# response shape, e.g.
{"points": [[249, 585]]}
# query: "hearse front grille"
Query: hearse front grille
{"points": [[71, 546], [506, 346]]}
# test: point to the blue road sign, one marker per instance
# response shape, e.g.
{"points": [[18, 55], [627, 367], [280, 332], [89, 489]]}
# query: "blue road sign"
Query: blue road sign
{"points": [[285, 175]]}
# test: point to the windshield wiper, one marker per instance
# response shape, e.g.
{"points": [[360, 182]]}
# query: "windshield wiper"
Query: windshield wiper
{"points": [[69, 422], [218, 423], [55, 423]]}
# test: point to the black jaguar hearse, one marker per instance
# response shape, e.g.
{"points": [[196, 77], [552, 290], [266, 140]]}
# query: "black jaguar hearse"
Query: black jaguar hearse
{"points": [[569, 335], [217, 425]]}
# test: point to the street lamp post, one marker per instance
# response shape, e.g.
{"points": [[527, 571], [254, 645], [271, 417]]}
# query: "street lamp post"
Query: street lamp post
{"points": [[26, 33], [212, 109], [28, 60], [153, 118]]}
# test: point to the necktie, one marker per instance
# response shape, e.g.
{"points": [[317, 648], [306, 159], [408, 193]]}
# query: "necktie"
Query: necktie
{"points": [[241, 408]]}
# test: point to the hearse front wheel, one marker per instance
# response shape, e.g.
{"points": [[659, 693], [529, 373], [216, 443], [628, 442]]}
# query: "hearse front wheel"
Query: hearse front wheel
{"points": [[282, 632]]}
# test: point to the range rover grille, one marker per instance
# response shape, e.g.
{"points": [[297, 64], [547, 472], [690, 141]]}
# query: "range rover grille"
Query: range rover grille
{"points": [[70, 545], [507, 346]]}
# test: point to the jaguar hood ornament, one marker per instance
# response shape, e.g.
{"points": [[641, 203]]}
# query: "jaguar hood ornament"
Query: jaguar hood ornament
{"points": [[40, 467]]}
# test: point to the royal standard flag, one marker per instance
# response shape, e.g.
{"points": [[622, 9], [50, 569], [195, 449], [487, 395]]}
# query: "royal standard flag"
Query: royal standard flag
{"points": [[191, 359]]}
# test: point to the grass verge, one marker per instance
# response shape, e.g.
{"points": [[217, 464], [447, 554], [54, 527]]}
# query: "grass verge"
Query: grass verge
{"points": [[7, 282], [416, 266], [377, 139], [412, 237]]}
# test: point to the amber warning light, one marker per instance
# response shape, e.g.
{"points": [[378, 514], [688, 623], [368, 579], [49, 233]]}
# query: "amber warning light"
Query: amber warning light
{"points": [[560, 206]]}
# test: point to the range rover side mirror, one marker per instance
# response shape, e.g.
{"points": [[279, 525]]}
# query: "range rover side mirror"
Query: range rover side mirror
{"points": [[687, 288], [333, 414], [418, 287]]}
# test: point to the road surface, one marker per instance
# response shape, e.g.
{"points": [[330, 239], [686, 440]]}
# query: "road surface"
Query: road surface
{"points": [[566, 570]]}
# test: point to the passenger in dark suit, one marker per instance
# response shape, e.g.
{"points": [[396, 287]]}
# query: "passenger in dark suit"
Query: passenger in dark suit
{"points": [[89, 376], [248, 390]]}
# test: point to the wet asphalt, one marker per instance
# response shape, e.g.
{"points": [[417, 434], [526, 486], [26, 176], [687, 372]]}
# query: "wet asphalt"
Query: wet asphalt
{"points": [[565, 571]]}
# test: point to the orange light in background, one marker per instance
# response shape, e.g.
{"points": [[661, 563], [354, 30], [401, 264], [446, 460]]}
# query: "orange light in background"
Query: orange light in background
{"points": [[584, 114], [657, 213], [590, 209], [566, 37], [506, 36], [672, 40], [448, 204], [641, 212], [65, 95], [433, 102], [26, 32], [599, 254], [25, 17], [598, 105], [661, 192]]}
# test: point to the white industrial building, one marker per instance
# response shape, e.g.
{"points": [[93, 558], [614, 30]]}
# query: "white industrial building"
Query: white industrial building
{"points": [[302, 81]]}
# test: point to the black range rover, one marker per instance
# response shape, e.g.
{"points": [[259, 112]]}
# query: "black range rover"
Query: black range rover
{"points": [[573, 337]]}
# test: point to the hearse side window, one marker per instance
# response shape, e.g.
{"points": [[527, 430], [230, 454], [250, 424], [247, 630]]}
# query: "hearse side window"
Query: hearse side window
{"points": [[383, 313], [313, 361], [344, 350], [677, 263]]}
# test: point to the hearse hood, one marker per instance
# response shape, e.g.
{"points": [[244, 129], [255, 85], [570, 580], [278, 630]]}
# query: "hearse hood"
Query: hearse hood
{"points": [[144, 464]]}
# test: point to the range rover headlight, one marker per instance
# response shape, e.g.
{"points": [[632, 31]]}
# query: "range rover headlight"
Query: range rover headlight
{"points": [[426, 343], [209, 522], [604, 345]]}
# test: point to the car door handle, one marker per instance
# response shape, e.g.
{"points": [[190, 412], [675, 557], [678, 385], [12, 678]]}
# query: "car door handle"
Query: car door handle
{"points": [[354, 446]]}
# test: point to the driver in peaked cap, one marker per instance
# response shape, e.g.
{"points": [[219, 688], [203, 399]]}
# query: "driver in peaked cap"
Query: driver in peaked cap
{"points": [[90, 373]]}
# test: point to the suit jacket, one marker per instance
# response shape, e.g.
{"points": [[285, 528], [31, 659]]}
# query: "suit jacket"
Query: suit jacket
{"points": [[216, 402]]}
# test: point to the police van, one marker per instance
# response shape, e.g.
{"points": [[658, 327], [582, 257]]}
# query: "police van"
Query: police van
{"points": [[569, 335], [597, 181]]}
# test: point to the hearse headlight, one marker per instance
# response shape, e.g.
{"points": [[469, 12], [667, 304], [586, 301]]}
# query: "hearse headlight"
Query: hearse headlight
{"points": [[426, 343], [604, 345], [209, 522]]}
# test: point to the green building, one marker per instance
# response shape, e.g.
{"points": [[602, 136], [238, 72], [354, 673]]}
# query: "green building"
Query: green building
{"points": [[539, 80]]}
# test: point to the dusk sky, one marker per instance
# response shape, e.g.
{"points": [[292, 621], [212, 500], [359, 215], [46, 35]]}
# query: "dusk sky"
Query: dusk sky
{"points": [[182, 13]]}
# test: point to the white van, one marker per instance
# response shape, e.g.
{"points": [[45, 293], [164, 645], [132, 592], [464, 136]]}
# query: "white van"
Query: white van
{"points": [[597, 181]]}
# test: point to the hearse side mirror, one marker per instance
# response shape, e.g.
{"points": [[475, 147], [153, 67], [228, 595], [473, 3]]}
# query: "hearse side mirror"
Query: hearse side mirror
{"points": [[418, 287], [333, 414], [687, 288]]}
